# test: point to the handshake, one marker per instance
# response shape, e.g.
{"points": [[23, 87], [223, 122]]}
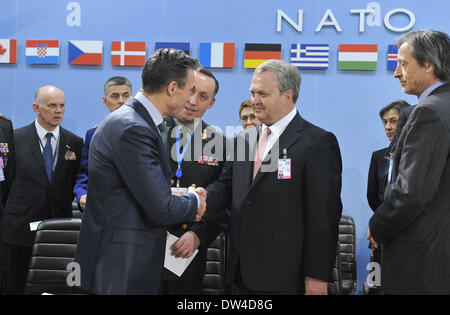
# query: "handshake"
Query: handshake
{"points": [[201, 192]]}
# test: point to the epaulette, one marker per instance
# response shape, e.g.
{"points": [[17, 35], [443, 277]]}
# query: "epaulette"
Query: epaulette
{"points": [[4, 117]]}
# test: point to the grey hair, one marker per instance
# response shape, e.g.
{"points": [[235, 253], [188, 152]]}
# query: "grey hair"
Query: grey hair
{"points": [[117, 80], [432, 46], [288, 76]]}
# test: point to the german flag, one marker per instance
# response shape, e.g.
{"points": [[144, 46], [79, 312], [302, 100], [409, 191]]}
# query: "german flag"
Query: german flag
{"points": [[256, 54]]}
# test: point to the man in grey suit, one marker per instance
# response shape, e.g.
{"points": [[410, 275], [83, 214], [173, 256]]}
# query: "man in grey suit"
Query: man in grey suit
{"points": [[123, 235], [412, 224]]}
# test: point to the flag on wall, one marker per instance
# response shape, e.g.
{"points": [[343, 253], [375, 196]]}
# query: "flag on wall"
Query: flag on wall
{"points": [[392, 57], [310, 56], [125, 53], [8, 50], [85, 52], [217, 55], [180, 46], [42, 51], [357, 57], [256, 54]]}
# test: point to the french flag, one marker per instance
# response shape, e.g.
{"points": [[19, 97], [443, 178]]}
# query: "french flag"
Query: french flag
{"points": [[217, 55], [42, 51], [85, 52]]}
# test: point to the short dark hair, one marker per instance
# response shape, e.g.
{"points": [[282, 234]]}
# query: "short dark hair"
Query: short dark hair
{"points": [[209, 74], [432, 46], [397, 106], [117, 80], [164, 66]]}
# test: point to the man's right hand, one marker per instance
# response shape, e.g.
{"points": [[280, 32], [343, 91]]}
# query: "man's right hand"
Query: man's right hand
{"points": [[83, 202], [201, 192]]}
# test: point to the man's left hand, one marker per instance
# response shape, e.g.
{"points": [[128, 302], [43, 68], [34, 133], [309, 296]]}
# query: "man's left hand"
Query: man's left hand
{"points": [[186, 245], [315, 287]]}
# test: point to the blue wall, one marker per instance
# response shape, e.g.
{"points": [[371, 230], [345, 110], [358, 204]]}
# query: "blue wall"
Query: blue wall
{"points": [[344, 102]]}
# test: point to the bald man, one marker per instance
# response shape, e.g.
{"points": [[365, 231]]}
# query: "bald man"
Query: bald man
{"points": [[47, 161]]}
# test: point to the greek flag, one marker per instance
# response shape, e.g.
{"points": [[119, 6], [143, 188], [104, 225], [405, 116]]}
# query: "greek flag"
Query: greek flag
{"points": [[310, 56]]}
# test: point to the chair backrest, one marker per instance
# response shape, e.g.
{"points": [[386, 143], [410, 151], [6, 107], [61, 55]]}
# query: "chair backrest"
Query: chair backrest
{"points": [[54, 248], [347, 246], [214, 279]]}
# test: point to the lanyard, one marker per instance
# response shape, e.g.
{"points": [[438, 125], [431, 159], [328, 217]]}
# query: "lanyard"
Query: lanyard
{"points": [[180, 155]]}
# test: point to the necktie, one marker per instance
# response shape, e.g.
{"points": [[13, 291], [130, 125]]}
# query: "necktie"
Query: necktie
{"points": [[163, 129], [260, 151], [47, 153]]}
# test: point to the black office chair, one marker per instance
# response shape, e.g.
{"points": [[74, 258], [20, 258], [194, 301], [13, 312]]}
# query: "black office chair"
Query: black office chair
{"points": [[214, 279], [54, 248], [344, 272]]}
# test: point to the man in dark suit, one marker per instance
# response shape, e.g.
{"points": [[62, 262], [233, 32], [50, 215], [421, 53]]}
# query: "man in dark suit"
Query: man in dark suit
{"points": [[7, 161], [379, 162], [284, 214], [117, 90], [47, 161], [412, 223], [200, 165], [123, 234]]}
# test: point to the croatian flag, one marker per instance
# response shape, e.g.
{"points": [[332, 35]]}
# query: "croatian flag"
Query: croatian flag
{"points": [[85, 52], [392, 57], [310, 56], [42, 51], [8, 50], [217, 55]]}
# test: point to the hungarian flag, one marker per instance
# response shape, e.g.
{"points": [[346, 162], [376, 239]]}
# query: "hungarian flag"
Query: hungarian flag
{"points": [[180, 46], [392, 57], [256, 54], [8, 50], [357, 57], [42, 51], [85, 52], [217, 55], [128, 53]]}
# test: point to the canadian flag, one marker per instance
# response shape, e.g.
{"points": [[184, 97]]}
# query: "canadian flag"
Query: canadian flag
{"points": [[127, 53], [8, 50]]}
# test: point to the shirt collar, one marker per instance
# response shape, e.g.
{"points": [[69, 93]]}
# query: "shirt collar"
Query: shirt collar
{"points": [[151, 109], [41, 131], [278, 127], [430, 89]]}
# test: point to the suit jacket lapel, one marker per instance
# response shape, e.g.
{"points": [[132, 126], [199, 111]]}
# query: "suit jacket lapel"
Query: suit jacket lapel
{"points": [[63, 147], [33, 140], [140, 109], [289, 136]]}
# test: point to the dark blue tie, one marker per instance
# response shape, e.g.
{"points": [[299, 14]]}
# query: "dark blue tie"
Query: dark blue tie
{"points": [[47, 153]]}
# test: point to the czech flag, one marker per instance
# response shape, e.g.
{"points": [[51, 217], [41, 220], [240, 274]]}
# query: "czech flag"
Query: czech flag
{"points": [[85, 52], [217, 55]]}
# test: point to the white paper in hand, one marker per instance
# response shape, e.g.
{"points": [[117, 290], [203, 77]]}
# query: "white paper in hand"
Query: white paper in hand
{"points": [[174, 264]]}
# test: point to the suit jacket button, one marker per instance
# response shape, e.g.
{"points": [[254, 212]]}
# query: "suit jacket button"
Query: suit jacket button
{"points": [[184, 226], [248, 203]]}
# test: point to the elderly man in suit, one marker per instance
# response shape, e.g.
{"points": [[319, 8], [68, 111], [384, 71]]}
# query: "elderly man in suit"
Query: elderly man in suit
{"points": [[123, 234], [411, 225], [284, 214], [47, 161]]}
